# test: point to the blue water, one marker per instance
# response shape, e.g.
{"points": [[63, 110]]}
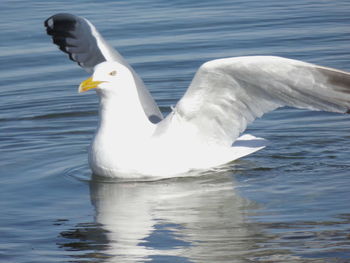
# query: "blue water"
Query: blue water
{"points": [[287, 203]]}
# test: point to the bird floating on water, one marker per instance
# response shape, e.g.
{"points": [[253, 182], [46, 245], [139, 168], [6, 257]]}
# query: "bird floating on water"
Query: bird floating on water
{"points": [[204, 129]]}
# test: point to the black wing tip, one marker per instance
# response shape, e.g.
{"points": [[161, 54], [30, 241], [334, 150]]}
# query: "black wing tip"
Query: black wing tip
{"points": [[61, 26], [61, 17]]}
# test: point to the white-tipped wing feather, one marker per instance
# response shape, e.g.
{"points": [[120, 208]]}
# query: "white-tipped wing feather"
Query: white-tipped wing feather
{"points": [[227, 94], [77, 37]]}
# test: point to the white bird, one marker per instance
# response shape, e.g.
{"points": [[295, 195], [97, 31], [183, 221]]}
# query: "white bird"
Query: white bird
{"points": [[202, 131]]}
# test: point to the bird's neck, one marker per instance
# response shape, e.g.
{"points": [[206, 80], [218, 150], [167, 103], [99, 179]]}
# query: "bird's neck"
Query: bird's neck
{"points": [[123, 118]]}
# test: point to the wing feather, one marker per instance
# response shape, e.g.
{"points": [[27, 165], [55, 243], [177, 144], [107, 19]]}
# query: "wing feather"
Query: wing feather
{"points": [[228, 94], [78, 37]]}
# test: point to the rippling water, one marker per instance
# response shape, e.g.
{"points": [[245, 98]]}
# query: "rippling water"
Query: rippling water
{"points": [[287, 203]]}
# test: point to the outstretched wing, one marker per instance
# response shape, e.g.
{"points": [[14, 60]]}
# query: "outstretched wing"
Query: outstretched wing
{"points": [[83, 43], [227, 94]]}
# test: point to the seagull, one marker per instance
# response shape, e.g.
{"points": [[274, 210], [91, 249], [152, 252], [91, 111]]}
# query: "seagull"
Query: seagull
{"points": [[204, 130]]}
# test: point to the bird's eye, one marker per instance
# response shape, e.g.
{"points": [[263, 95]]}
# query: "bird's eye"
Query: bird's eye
{"points": [[113, 73]]}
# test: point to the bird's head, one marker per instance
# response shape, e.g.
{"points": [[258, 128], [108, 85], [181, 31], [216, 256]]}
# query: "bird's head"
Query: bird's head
{"points": [[108, 77]]}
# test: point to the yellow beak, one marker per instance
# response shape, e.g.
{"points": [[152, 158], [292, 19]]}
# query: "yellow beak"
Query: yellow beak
{"points": [[88, 84]]}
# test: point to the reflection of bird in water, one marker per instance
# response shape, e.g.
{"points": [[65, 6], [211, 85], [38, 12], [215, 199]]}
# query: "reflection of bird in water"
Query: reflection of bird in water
{"points": [[197, 218], [133, 139], [201, 219]]}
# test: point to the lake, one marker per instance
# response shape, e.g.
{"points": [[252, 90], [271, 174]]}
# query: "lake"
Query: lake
{"points": [[289, 202]]}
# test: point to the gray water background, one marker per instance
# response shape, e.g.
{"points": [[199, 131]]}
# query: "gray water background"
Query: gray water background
{"points": [[287, 203]]}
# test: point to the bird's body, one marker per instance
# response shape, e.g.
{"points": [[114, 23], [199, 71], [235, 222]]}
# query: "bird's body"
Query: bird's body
{"points": [[128, 144], [203, 130]]}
